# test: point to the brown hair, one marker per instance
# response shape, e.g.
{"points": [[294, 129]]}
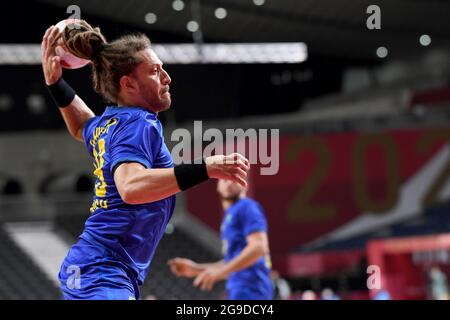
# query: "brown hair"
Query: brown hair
{"points": [[110, 60]]}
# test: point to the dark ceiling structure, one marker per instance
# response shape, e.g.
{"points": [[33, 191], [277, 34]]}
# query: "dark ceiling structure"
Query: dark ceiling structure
{"points": [[329, 27], [334, 31]]}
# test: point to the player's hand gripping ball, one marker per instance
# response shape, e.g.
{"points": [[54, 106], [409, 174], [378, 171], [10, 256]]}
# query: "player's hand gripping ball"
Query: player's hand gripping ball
{"points": [[68, 60]]}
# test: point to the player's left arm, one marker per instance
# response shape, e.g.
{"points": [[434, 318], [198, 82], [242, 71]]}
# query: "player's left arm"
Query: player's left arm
{"points": [[74, 112], [257, 247]]}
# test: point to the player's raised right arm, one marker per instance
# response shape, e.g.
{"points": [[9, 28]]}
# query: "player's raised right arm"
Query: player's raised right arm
{"points": [[75, 115], [74, 112]]}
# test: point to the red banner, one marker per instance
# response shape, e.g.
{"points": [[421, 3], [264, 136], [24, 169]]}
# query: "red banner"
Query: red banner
{"points": [[326, 181]]}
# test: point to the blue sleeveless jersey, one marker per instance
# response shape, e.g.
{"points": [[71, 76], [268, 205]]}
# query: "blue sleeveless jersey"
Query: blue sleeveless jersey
{"points": [[119, 240]]}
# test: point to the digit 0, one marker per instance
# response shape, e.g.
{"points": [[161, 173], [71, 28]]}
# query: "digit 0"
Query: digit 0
{"points": [[360, 180]]}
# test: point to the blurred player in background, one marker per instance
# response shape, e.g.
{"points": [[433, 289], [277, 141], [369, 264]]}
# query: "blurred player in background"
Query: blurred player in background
{"points": [[134, 194], [246, 264]]}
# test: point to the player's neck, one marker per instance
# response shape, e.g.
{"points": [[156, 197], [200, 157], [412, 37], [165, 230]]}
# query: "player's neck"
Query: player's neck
{"points": [[126, 103], [228, 202]]}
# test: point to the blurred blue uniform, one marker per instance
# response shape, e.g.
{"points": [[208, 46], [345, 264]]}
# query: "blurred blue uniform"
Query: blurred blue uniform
{"points": [[252, 283], [112, 256]]}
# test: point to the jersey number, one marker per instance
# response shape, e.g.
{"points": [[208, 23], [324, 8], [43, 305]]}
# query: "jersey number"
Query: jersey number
{"points": [[100, 184]]}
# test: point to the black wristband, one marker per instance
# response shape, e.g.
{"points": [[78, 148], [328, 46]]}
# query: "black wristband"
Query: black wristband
{"points": [[189, 175], [61, 93]]}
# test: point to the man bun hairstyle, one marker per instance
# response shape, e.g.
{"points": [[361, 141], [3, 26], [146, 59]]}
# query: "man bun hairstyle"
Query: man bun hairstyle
{"points": [[82, 40], [110, 60]]}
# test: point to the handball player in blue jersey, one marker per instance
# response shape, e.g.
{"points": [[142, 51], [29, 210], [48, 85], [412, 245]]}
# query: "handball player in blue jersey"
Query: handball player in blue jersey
{"points": [[136, 180], [246, 265]]}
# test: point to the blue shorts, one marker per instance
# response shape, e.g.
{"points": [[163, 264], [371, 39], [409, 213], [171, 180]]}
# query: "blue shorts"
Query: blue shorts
{"points": [[90, 273], [246, 293]]}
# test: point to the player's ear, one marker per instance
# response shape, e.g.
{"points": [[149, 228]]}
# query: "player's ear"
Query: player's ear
{"points": [[128, 84]]}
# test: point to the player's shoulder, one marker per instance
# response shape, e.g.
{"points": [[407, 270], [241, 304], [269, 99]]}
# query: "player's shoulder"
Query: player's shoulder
{"points": [[88, 128], [91, 122], [130, 113], [138, 118], [250, 209], [250, 203]]}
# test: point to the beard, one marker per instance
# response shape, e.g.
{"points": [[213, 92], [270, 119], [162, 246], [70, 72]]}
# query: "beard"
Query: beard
{"points": [[164, 104], [158, 102], [233, 198], [160, 105]]}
